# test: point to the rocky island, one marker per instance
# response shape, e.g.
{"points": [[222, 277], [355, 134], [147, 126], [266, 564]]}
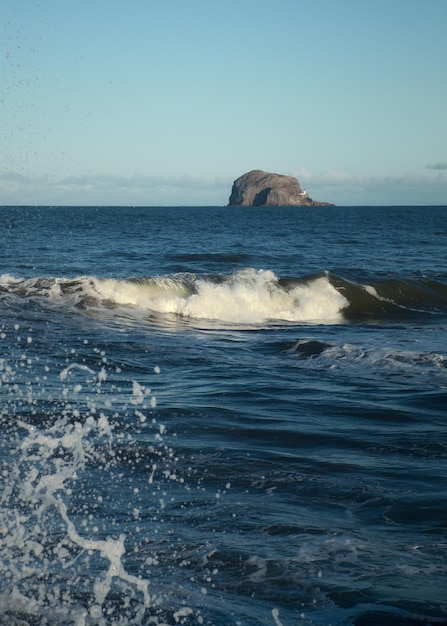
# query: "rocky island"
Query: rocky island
{"points": [[258, 188]]}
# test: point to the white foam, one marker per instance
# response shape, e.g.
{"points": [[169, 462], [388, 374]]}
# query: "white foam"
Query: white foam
{"points": [[248, 296], [140, 293], [7, 279], [275, 613]]}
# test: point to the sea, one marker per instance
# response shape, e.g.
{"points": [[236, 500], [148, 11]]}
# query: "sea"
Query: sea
{"points": [[223, 416]]}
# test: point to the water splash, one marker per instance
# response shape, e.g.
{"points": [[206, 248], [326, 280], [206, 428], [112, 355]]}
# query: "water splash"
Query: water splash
{"points": [[60, 563]]}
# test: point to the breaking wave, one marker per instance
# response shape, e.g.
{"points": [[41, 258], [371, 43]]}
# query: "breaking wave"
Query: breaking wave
{"points": [[247, 296]]}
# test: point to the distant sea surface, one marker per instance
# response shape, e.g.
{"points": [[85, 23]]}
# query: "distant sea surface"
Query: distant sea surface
{"points": [[223, 416]]}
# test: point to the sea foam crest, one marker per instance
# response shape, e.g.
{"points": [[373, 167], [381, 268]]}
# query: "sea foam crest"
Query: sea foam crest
{"points": [[248, 296]]}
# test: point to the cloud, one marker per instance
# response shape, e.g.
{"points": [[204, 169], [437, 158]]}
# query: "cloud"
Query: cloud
{"points": [[337, 186], [15, 178], [101, 189], [343, 188], [139, 181], [438, 166]]}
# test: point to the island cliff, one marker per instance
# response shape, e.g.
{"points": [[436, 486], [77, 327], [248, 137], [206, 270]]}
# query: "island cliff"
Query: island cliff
{"points": [[258, 188]]}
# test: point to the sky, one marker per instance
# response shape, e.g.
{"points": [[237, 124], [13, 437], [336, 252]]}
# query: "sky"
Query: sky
{"points": [[167, 102]]}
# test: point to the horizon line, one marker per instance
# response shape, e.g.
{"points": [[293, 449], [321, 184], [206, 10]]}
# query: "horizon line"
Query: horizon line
{"points": [[213, 206]]}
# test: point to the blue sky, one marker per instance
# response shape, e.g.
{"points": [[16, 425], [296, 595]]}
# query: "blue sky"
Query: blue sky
{"points": [[166, 102]]}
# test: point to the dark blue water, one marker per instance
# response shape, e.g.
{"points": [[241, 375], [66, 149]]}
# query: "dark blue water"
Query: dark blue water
{"points": [[223, 416]]}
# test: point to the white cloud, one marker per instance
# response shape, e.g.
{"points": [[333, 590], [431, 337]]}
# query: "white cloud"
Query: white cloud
{"points": [[438, 166], [343, 188], [337, 186], [113, 190]]}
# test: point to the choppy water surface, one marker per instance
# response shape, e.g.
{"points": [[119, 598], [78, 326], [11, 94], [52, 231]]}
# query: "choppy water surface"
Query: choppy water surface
{"points": [[219, 416]]}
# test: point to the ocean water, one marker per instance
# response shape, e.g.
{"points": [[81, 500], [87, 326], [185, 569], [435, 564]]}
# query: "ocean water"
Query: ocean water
{"points": [[223, 416]]}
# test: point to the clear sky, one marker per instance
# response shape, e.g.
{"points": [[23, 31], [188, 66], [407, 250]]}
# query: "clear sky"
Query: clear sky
{"points": [[166, 102]]}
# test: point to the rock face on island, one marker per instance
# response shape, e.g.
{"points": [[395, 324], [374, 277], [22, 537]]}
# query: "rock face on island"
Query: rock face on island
{"points": [[258, 188]]}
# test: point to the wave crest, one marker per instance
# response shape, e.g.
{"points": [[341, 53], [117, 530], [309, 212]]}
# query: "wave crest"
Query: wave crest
{"points": [[249, 296], [246, 297]]}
